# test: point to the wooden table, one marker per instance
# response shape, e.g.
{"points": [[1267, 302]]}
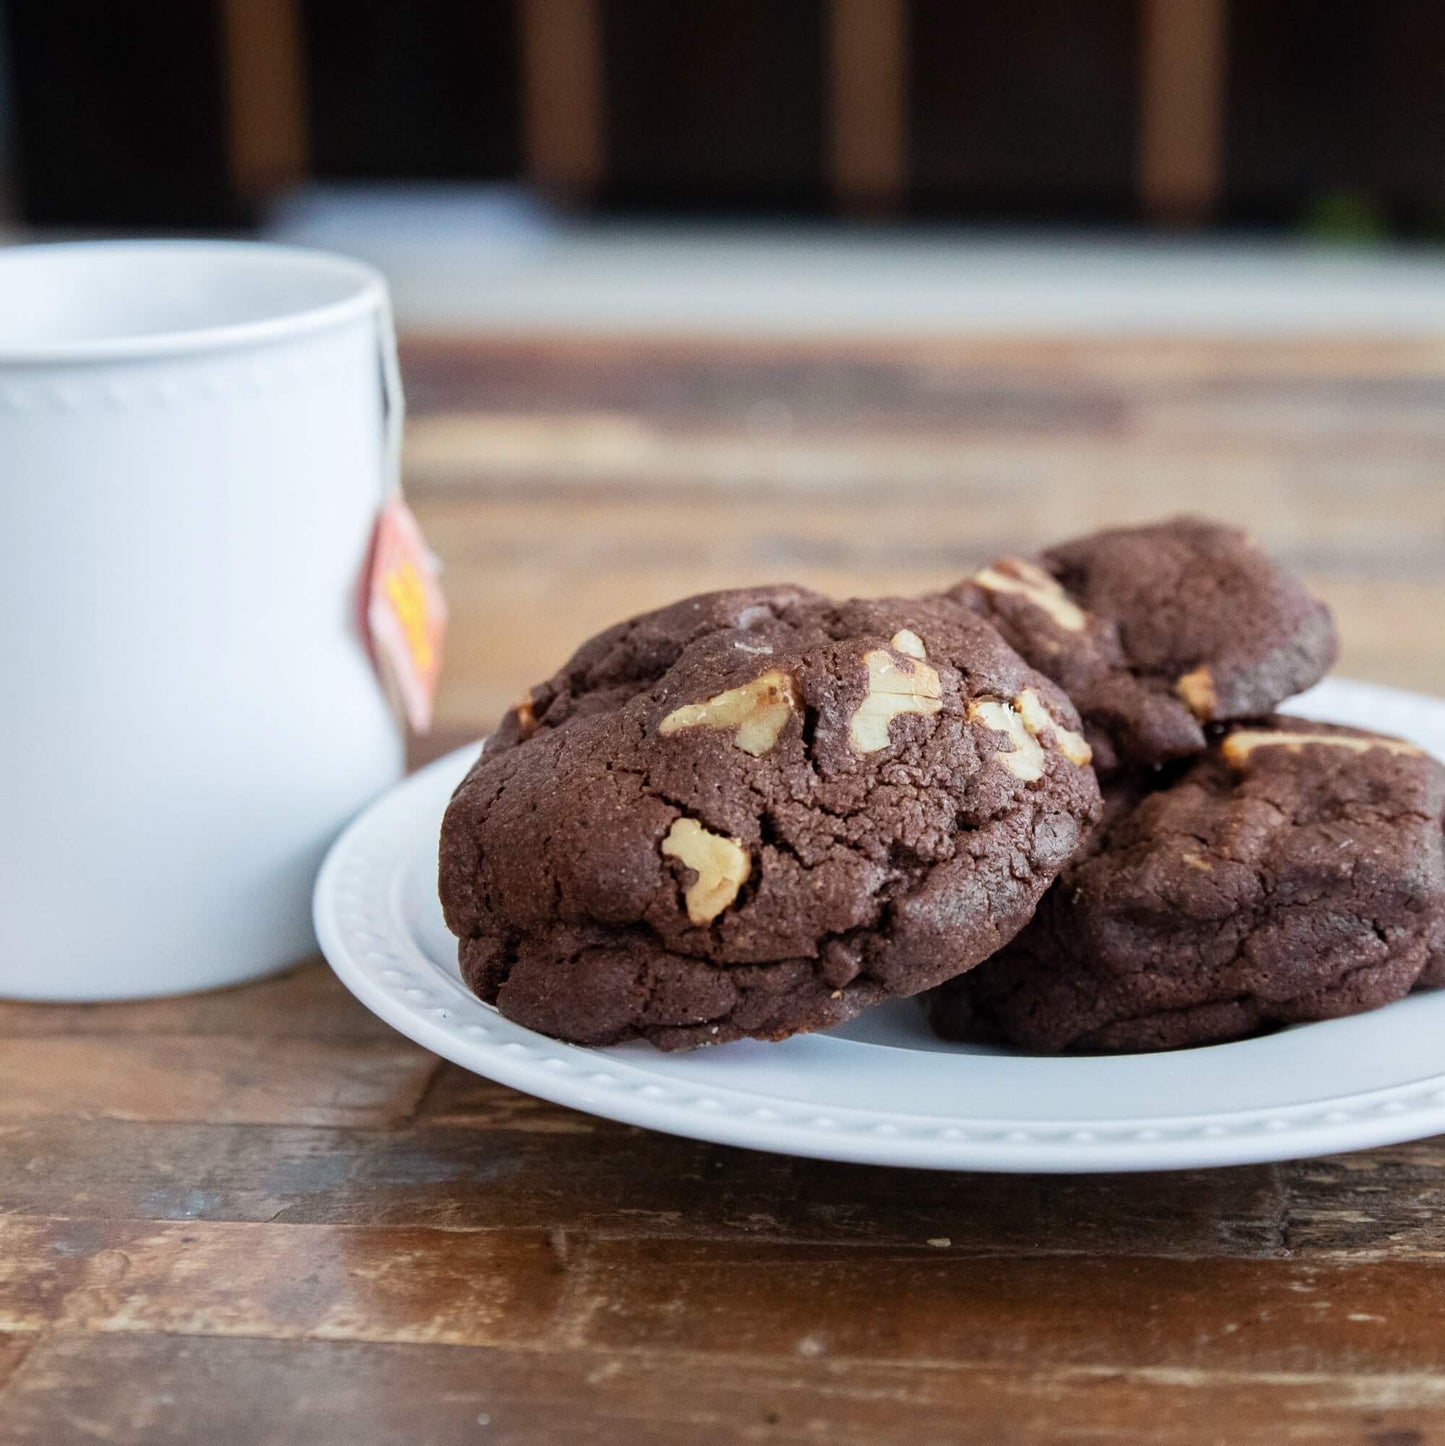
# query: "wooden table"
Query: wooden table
{"points": [[260, 1216]]}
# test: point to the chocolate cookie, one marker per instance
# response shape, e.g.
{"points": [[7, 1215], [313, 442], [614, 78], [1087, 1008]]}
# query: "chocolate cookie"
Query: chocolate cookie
{"points": [[1155, 632], [1295, 872], [757, 812]]}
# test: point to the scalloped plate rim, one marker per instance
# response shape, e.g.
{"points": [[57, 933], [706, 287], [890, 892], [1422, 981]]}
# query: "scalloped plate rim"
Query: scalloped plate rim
{"points": [[361, 911]]}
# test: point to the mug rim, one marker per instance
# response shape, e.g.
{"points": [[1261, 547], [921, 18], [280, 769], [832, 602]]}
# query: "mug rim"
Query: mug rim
{"points": [[369, 295]]}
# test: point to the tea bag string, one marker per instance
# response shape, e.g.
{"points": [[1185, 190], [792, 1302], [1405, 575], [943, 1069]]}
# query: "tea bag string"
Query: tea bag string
{"points": [[393, 402]]}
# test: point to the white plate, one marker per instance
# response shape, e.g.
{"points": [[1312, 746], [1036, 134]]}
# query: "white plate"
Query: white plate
{"points": [[881, 1089]]}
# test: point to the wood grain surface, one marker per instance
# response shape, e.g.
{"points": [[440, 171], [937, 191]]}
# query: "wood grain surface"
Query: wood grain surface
{"points": [[259, 1216]]}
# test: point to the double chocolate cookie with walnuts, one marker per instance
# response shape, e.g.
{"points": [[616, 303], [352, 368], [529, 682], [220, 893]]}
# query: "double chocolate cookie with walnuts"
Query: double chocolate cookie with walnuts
{"points": [[1293, 873], [1155, 632], [758, 812]]}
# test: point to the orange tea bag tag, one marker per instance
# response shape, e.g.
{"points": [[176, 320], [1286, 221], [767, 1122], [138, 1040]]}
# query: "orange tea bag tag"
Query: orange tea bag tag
{"points": [[406, 614]]}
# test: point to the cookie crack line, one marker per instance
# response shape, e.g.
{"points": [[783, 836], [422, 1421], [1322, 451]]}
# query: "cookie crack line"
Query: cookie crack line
{"points": [[838, 843]]}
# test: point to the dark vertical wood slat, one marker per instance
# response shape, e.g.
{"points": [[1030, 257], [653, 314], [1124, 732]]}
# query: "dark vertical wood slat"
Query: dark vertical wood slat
{"points": [[1181, 111], [716, 104], [1025, 109], [266, 95], [120, 113], [429, 89], [561, 62], [868, 109]]}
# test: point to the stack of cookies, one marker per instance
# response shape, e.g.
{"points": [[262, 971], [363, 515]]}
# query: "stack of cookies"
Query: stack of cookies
{"points": [[1054, 800]]}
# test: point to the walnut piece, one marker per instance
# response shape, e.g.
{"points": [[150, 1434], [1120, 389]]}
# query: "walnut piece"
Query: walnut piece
{"points": [[526, 717], [1042, 724], [755, 713], [1025, 759], [1238, 746], [1024, 722], [1012, 574], [1197, 690], [898, 682], [907, 642], [721, 866]]}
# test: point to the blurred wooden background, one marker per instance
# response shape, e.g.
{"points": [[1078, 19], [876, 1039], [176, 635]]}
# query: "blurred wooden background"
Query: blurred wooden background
{"points": [[568, 483], [192, 112]]}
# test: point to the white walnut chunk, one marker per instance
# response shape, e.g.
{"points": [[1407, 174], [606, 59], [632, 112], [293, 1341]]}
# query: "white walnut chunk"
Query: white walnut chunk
{"points": [[1037, 718], [1074, 747], [907, 642], [754, 713], [1025, 758], [899, 684], [1012, 574], [721, 866], [1238, 747], [1042, 724], [1029, 727], [1197, 690]]}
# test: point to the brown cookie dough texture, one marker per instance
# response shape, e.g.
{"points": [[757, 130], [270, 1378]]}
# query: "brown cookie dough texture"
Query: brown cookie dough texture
{"points": [[1295, 872], [758, 812], [1156, 632]]}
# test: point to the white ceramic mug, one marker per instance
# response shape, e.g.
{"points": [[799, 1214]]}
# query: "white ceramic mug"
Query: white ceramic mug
{"points": [[195, 438]]}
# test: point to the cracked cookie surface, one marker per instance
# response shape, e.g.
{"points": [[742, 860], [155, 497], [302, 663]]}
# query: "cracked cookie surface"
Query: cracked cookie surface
{"points": [[1156, 632], [757, 812], [1293, 873]]}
